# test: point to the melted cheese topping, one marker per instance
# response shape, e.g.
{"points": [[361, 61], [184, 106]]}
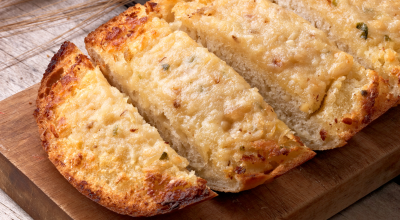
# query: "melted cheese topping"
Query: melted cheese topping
{"points": [[108, 141], [284, 47], [381, 16], [378, 48], [205, 101]]}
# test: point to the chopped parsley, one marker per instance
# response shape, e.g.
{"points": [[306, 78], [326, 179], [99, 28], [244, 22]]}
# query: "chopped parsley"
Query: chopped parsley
{"points": [[115, 130], [364, 28], [164, 156], [165, 66]]}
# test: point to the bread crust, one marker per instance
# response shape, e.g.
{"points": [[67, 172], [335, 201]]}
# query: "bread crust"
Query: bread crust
{"points": [[160, 194], [374, 100], [98, 43], [131, 23], [251, 180]]}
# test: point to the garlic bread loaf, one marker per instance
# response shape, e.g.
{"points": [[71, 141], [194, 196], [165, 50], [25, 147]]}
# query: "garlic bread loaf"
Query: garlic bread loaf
{"points": [[209, 114], [318, 90], [367, 29], [104, 148]]}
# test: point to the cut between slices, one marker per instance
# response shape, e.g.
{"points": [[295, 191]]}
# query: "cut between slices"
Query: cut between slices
{"points": [[212, 117], [316, 89], [369, 30], [104, 148]]}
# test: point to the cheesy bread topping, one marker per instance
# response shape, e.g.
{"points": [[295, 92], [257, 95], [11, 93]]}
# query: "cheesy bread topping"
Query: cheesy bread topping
{"points": [[230, 136]]}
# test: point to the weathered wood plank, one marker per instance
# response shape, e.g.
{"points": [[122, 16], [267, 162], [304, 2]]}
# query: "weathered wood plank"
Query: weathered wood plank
{"points": [[383, 203], [27, 195], [10, 210], [30, 71]]}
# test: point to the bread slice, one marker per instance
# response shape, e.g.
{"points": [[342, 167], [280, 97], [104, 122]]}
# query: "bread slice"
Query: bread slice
{"points": [[368, 30], [316, 89], [104, 148], [212, 117]]}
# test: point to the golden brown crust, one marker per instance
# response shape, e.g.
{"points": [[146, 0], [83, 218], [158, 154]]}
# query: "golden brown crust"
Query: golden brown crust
{"points": [[163, 199], [130, 25], [160, 193], [396, 72], [56, 85], [374, 100], [297, 157], [251, 180], [113, 35]]}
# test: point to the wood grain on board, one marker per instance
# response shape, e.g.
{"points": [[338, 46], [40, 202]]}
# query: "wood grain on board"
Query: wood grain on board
{"points": [[320, 188], [316, 190]]}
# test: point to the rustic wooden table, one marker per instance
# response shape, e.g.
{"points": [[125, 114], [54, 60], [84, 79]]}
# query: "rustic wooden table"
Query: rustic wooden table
{"points": [[383, 203]]}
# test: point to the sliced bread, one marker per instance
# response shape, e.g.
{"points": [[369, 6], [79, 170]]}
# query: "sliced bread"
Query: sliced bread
{"points": [[209, 114], [368, 30], [317, 90], [104, 148]]}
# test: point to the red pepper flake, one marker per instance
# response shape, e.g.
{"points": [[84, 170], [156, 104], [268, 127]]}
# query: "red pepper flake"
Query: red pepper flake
{"points": [[240, 170], [177, 103], [235, 38], [2, 113], [323, 134], [347, 121], [123, 113], [277, 62], [133, 130]]}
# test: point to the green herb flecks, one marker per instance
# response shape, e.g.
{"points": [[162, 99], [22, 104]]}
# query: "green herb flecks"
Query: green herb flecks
{"points": [[364, 28], [140, 77], [387, 38], [335, 2], [165, 66], [242, 148], [164, 156], [115, 130], [260, 106], [191, 59]]}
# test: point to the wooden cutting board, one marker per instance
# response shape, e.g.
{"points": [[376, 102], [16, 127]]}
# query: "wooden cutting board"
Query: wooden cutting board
{"points": [[317, 190]]}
